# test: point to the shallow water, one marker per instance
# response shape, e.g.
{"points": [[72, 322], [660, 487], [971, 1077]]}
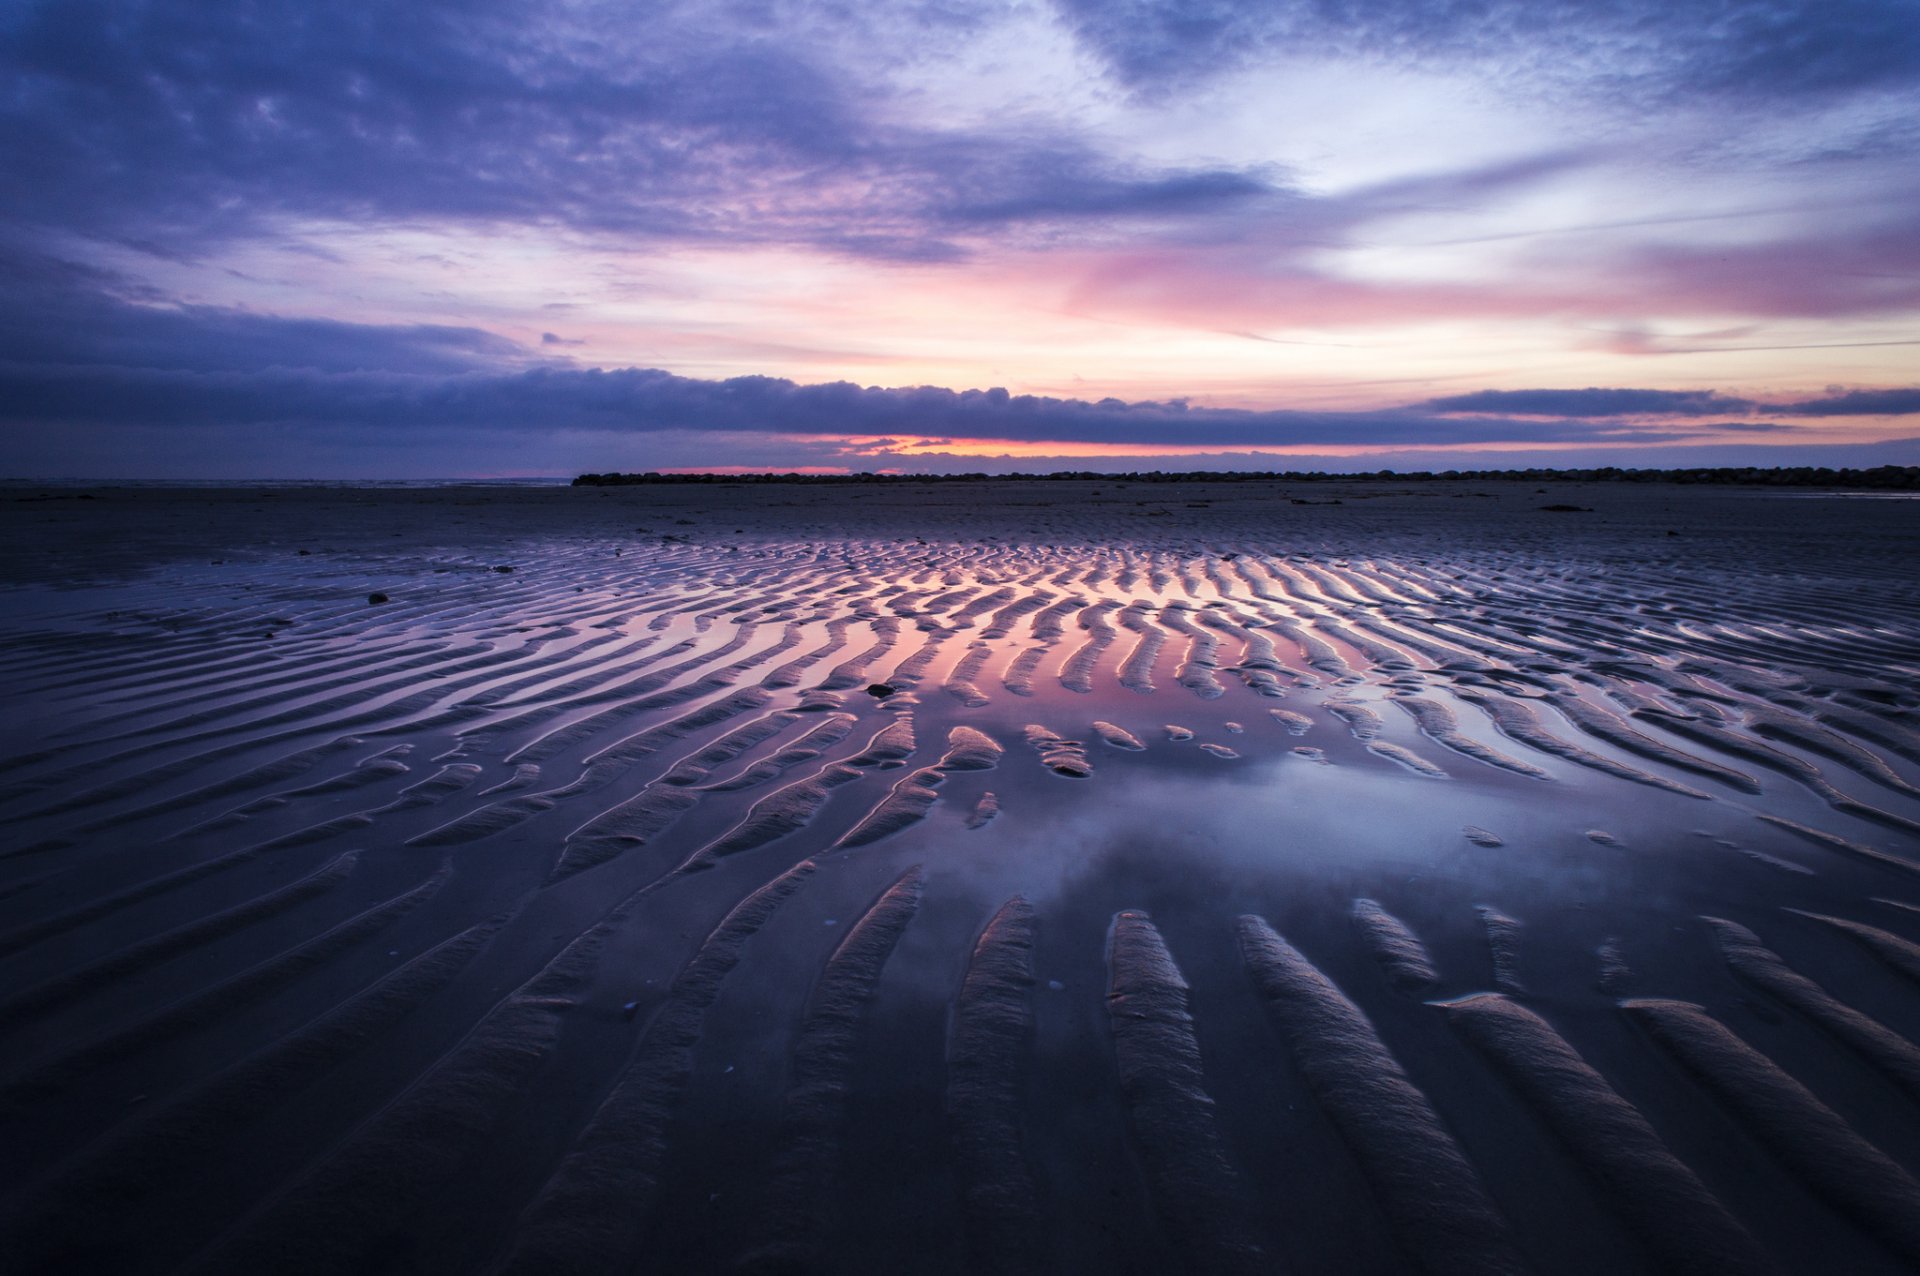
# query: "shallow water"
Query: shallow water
{"points": [[593, 916]]}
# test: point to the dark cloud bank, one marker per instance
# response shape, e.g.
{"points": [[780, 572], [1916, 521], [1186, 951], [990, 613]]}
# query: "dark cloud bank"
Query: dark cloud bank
{"points": [[176, 128], [246, 388]]}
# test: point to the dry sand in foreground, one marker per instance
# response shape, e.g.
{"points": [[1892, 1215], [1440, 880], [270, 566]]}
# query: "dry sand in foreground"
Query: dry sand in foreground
{"points": [[1425, 881]]}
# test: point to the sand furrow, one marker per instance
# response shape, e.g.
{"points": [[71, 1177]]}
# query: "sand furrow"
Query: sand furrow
{"points": [[1407, 758], [1002, 622], [1739, 746], [1076, 672], [1197, 1192], [1062, 757], [132, 958], [889, 746], [1790, 729], [99, 1212], [667, 689], [1503, 945], [680, 674], [220, 1001], [1362, 721], [831, 730], [853, 672], [1379, 656], [984, 811], [697, 767], [1603, 725], [574, 676], [1681, 1223], [381, 716], [635, 822], [367, 674], [308, 679], [252, 778], [790, 673], [1825, 1152], [1049, 624], [327, 1220], [608, 762], [969, 749], [1317, 653], [1439, 1211], [378, 769], [1438, 724], [959, 681], [1888, 1052], [1902, 955], [1195, 671], [1295, 723], [1902, 741], [905, 805], [1845, 846], [988, 1045], [1136, 670], [589, 1216], [1118, 737], [805, 1188], [1398, 950], [1018, 677], [912, 671], [784, 811], [309, 719], [1518, 722]]}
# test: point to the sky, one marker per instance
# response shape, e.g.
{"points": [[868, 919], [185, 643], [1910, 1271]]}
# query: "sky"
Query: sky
{"points": [[420, 239]]}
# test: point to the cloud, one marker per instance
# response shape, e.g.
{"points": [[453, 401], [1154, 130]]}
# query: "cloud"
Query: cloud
{"points": [[1597, 402], [1591, 402], [1287, 279], [1636, 49], [1892, 402], [87, 352], [1044, 186], [430, 155], [174, 127], [64, 314], [177, 130], [88, 355], [643, 400]]}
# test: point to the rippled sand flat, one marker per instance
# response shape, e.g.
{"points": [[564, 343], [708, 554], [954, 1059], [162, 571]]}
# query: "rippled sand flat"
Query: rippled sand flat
{"points": [[1070, 877]]}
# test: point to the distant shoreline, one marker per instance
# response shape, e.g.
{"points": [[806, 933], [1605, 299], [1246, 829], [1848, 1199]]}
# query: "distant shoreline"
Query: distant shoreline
{"points": [[1903, 478], [1883, 478]]}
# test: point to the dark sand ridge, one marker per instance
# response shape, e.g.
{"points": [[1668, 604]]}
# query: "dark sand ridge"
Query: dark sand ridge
{"points": [[593, 915]]}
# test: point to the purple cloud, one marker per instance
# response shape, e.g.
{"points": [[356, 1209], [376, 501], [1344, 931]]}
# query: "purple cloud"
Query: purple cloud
{"points": [[66, 314], [1892, 402], [1591, 402], [199, 138], [176, 126], [644, 400], [1639, 49], [89, 358]]}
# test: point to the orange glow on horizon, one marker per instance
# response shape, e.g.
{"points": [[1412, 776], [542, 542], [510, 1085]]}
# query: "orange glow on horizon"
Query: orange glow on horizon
{"points": [[809, 470]]}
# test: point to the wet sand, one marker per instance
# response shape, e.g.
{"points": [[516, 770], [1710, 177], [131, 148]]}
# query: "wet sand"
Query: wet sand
{"points": [[1083, 877]]}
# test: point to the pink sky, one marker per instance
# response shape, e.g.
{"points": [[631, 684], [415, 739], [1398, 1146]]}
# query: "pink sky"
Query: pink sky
{"points": [[284, 252]]}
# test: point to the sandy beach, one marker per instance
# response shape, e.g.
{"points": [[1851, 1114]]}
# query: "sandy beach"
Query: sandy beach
{"points": [[1079, 877]]}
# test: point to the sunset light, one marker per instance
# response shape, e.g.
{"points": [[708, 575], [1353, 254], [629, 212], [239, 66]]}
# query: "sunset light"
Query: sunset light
{"points": [[255, 246]]}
